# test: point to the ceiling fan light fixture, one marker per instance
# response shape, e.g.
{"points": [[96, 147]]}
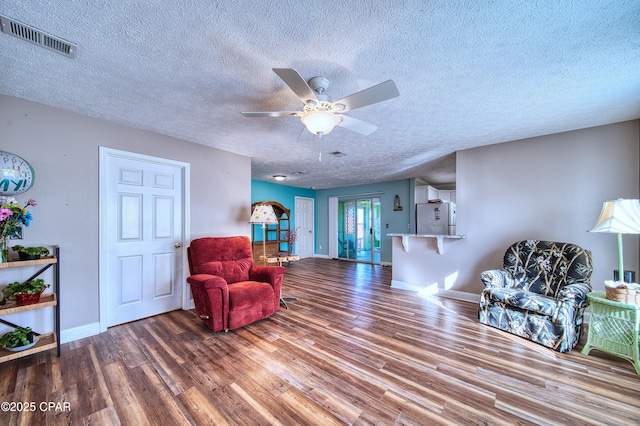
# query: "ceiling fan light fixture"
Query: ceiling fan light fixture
{"points": [[320, 122]]}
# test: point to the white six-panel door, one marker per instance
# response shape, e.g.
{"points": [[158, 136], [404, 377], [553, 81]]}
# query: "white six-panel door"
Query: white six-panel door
{"points": [[304, 217], [142, 237]]}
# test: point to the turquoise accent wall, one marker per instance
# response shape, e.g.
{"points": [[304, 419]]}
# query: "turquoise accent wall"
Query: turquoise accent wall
{"points": [[391, 221], [283, 194]]}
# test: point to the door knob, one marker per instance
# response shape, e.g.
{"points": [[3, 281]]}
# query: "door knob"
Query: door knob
{"points": [[177, 245]]}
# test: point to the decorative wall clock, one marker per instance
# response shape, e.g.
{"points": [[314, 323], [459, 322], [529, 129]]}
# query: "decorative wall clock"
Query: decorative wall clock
{"points": [[16, 174]]}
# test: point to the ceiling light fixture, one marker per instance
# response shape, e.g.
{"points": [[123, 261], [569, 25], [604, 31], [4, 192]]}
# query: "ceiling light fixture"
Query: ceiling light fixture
{"points": [[279, 177], [320, 122]]}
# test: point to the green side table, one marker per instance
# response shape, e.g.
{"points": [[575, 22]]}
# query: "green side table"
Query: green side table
{"points": [[613, 328]]}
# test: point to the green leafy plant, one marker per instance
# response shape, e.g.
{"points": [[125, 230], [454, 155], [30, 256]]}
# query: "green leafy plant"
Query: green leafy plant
{"points": [[29, 287], [21, 336], [32, 251]]}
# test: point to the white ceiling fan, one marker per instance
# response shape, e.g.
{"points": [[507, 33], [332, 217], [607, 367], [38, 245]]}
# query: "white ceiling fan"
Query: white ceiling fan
{"points": [[320, 115]]}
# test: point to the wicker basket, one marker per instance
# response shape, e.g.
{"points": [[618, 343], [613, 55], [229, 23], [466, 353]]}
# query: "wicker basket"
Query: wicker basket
{"points": [[623, 295]]}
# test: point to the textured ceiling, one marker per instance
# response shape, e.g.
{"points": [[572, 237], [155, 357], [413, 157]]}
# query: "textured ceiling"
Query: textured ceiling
{"points": [[470, 73]]}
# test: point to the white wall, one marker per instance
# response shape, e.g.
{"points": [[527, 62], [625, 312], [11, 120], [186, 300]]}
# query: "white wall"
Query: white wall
{"points": [[63, 148], [550, 187]]}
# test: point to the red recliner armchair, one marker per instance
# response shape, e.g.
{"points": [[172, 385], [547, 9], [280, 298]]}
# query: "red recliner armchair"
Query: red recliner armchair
{"points": [[229, 291]]}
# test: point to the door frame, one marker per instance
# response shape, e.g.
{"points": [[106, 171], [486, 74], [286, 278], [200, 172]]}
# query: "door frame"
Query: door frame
{"points": [[187, 303], [312, 212]]}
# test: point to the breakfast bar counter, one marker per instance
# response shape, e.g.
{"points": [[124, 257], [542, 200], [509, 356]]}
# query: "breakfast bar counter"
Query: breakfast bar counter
{"points": [[421, 263], [439, 239]]}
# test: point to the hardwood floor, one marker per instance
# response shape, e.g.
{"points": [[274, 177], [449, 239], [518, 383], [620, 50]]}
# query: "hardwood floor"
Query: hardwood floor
{"points": [[351, 351]]}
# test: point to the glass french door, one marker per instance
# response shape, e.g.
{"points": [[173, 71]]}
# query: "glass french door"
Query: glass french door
{"points": [[359, 230]]}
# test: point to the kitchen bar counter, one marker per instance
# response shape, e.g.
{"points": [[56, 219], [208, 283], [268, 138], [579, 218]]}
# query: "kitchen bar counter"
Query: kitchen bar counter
{"points": [[439, 239]]}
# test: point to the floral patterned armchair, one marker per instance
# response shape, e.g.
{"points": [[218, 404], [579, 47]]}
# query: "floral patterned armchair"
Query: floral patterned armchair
{"points": [[540, 294]]}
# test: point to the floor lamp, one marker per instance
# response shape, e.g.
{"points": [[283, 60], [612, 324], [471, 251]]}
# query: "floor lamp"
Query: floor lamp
{"points": [[619, 217], [264, 214]]}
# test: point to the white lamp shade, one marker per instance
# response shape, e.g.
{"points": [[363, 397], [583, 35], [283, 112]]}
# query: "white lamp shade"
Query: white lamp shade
{"points": [[263, 213], [619, 217], [320, 122]]}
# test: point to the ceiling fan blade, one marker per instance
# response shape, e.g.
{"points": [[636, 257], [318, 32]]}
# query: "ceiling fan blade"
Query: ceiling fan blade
{"points": [[274, 114], [296, 83], [372, 95], [356, 125]]}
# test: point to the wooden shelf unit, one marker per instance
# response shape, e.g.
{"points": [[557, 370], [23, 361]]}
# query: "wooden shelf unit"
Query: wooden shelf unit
{"points": [[276, 236], [46, 341], [49, 260]]}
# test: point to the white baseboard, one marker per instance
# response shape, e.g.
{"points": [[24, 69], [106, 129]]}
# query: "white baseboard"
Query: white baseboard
{"points": [[322, 256], [76, 333], [433, 291], [405, 286], [460, 295]]}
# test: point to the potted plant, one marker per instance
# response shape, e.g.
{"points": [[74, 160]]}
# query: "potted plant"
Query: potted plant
{"points": [[19, 339], [30, 253], [26, 293]]}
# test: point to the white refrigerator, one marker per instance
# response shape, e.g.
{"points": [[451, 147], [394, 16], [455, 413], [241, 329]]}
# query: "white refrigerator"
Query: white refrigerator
{"points": [[436, 218]]}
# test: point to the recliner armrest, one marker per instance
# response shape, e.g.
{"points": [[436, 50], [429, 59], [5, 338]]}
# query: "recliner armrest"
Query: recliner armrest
{"points": [[273, 275], [207, 281], [575, 293], [211, 299], [267, 274], [497, 278]]}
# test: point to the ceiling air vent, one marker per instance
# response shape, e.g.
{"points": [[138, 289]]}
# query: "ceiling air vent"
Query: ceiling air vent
{"points": [[35, 36]]}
